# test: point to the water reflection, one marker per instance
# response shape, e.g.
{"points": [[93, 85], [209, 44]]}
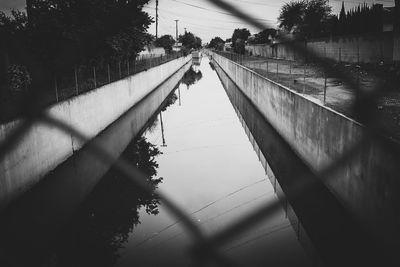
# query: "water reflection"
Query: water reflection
{"points": [[192, 76], [103, 223], [106, 220], [171, 99], [211, 170]]}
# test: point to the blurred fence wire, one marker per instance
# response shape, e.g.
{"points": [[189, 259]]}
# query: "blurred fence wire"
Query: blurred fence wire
{"points": [[206, 249]]}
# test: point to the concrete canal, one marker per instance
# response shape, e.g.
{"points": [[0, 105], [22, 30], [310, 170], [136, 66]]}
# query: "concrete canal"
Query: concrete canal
{"points": [[209, 150]]}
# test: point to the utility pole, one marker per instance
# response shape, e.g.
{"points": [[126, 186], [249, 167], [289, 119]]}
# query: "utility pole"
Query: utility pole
{"points": [[29, 5], [156, 20], [162, 131], [176, 21]]}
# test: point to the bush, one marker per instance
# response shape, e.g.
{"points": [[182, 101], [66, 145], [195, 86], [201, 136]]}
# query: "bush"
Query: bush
{"points": [[18, 78]]}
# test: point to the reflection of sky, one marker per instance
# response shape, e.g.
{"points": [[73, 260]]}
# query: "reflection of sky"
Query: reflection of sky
{"points": [[209, 166], [209, 21]]}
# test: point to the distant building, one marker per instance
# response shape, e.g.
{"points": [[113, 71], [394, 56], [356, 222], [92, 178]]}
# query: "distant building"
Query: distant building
{"points": [[228, 46], [152, 51], [177, 47]]}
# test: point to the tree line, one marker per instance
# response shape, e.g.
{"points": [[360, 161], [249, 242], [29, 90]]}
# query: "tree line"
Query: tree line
{"points": [[54, 36], [306, 19]]}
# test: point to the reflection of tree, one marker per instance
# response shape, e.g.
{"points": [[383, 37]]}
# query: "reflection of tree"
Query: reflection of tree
{"points": [[103, 223], [212, 65], [171, 99], [153, 124], [191, 77]]}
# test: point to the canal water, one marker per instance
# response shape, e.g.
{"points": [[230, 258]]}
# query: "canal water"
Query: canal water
{"points": [[198, 151]]}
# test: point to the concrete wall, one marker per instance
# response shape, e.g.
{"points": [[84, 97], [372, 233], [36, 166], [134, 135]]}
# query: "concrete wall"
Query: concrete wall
{"points": [[151, 52], [368, 184], [48, 206], [43, 147], [366, 48], [261, 50]]}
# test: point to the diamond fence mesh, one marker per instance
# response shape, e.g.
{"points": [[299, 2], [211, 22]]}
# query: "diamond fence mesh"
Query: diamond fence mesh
{"points": [[206, 249]]}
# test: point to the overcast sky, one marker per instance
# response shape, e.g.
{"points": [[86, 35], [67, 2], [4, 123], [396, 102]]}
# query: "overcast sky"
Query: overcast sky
{"points": [[207, 21]]}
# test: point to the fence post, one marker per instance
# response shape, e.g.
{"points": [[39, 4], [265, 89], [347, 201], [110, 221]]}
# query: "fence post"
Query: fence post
{"points": [[108, 72], [277, 70], [127, 63], [358, 80], [325, 87], [267, 67], [290, 72], [134, 65], [304, 78], [76, 80], [119, 69], [56, 87], [94, 76]]}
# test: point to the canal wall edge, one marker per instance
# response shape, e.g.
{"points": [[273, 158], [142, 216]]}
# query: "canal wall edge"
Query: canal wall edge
{"points": [[42, 148], [367, 185]]}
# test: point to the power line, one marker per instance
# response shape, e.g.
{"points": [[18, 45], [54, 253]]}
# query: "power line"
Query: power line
{"points": [[194, 18], [256, 3], [216, 11]]}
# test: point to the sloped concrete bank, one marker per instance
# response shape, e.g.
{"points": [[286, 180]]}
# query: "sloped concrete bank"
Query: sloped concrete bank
{"points": [[39, 214], [43, 147], [368, 184]]}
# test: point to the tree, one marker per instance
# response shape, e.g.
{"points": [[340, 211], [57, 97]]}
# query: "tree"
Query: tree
{"points": [[88, 29], [189, 40], [62, 33], [13, 37], [308, 19], [239, 37], [264, 37], [291, 15], [191, 77], [105, 220], [360, 19], [316, 17], [216, 43], [166, 41]]}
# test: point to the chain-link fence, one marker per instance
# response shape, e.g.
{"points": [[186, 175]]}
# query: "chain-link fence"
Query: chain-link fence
{"points": [[206, 248], [80, 79]]}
